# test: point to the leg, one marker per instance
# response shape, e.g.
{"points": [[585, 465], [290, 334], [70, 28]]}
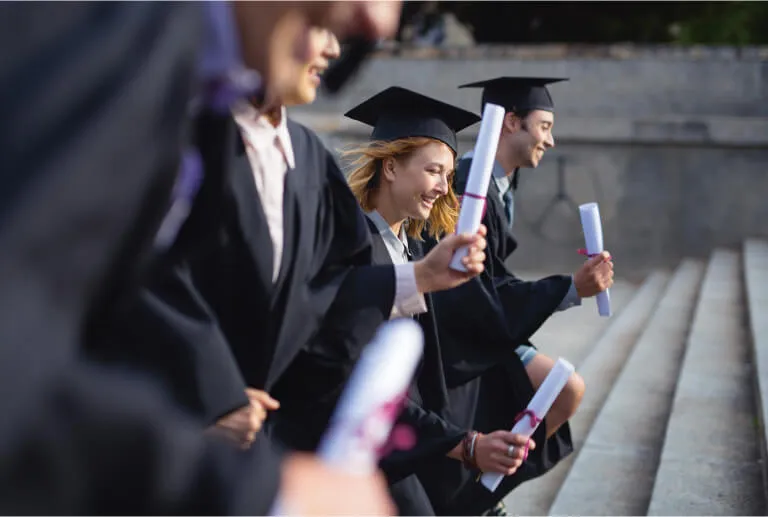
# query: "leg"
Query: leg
{"points": [[538, 366]]}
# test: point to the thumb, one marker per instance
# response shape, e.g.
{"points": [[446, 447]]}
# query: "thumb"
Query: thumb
{"points": [[263, 398]]}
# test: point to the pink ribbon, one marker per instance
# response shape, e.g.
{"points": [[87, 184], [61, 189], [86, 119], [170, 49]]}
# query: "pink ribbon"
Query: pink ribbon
{"points": [[534, 419]]}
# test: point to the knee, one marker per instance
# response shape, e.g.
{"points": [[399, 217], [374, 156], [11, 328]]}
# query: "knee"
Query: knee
{"points": [[572, 393]]}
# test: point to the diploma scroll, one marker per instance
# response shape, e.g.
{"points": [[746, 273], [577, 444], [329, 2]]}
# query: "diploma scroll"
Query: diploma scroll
{"points": [[593, 239], [371, 402], [537, 408], [373, 398], [473, 200]]}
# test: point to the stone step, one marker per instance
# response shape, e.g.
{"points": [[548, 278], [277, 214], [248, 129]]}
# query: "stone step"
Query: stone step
{"points": [[614, 471], [571, 334], [756, 281], [599, 369], [710, 459]]}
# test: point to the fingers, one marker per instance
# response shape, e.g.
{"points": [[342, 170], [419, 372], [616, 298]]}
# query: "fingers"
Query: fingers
{"points": [[474, 261], [518, 440], [503, 464], [263, 398]]}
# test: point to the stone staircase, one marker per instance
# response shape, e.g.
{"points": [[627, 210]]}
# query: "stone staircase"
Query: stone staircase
{"points": [[673, 420]]}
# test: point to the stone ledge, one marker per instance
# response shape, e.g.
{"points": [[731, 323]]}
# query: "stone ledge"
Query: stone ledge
{"points": [[677, 130], [583, 51]]}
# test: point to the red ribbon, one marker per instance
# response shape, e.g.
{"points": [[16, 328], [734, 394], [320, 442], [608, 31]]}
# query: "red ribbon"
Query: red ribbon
{"points": [[475, 196], [534, 419], [582, 251]]}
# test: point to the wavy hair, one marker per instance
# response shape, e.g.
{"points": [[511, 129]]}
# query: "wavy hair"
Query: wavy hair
{"points": [[365, 180]]}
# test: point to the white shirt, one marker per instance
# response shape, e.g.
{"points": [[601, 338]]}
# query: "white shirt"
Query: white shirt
{"points": [[408, 300], [270, 154]]}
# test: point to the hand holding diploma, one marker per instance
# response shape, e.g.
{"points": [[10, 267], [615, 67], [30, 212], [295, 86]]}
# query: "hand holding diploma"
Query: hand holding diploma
{"points": [[435, 272], [473, 200], [597, 273], [537, 409]]}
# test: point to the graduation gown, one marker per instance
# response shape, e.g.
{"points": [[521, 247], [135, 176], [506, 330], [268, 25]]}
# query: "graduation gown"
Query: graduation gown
{"points": [[82, 199], [212, 321], [427, 400], [312, 385], [488, 385]]}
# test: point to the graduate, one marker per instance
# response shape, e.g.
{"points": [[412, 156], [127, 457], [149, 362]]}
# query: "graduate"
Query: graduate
{"points": [[83, 199], [284, 241], [401, 178], [526, 135]]}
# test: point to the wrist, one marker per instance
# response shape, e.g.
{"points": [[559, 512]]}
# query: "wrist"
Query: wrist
{"points": [[422, 276], [469, 450]]}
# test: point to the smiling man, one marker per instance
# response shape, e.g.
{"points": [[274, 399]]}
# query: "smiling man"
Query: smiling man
{"points": [[526, 135]]}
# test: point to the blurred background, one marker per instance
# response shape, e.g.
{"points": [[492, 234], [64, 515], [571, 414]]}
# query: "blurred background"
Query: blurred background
{"points": [[664, 121]]}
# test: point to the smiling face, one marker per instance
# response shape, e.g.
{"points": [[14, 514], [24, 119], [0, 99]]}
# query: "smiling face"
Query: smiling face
{"points": [[273, 36], [323, 47], [416, 181], [530, 137]]}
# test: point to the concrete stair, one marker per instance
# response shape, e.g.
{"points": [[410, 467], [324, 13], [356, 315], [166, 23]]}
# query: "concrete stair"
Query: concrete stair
{"points": [[673, 420]]}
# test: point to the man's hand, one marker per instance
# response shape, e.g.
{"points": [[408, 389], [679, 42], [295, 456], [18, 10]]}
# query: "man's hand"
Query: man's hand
{"points": [[310, 488], [492, 451], [433, 272], [595, 276], [240, 426]]}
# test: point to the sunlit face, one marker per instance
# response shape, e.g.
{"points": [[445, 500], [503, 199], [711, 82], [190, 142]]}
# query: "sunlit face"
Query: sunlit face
{"points": [[417, 181], [274, 36], [322, 48], [532, 137]]}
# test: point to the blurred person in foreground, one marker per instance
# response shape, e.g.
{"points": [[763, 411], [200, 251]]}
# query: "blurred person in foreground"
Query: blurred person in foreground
{"points": [[97, 100]]}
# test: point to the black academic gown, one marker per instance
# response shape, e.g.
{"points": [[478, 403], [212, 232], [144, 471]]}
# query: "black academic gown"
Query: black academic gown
{"points": [[212, 321], [96, 107], [310, 388], [488, 385], [427, 399]]}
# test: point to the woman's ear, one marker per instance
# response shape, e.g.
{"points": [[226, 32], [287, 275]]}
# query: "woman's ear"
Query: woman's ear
{"points": [[388, 169]]}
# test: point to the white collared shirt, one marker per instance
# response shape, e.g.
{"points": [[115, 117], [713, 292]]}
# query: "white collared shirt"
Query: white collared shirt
{"points": [[270, 154], [408, 300]]}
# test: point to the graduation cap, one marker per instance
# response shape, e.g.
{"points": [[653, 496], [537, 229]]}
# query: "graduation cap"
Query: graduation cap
{"points": [[518, 94], [397, 113]]}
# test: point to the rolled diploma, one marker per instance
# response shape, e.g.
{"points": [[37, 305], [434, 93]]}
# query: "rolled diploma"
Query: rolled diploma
{"points": [[593, 239], [366, 412], [540, 404], [473, 200]]}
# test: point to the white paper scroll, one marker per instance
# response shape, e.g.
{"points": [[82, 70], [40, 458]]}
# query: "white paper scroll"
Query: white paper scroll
{"points": [[473, 200], [371, 401], [539, 405], [372, 398], [593, 238]]}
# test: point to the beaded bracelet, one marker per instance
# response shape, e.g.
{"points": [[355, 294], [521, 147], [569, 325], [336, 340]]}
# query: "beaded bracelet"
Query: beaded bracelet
{"points": [[468, 450]]}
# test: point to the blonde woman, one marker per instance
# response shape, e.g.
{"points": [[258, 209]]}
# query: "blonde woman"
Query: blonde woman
{"points": [[402, 178]]}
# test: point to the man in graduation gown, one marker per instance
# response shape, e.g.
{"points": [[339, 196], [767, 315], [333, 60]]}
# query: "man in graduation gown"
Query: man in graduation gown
{"points": [[83, 198], [519, 308]]}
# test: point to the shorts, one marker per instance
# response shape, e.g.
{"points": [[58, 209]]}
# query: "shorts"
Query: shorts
{"points": [[526, 353]]}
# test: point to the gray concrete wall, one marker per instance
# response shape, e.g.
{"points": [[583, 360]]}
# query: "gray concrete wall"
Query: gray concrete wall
{"points": [[673, 143]]}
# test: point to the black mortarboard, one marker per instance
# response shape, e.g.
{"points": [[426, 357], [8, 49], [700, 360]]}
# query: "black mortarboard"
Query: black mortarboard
{"points": [[401, 113], [517, 94]]}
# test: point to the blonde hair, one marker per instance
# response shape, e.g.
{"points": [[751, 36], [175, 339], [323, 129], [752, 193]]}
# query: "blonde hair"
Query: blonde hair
{"points": [[365, 180]]}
